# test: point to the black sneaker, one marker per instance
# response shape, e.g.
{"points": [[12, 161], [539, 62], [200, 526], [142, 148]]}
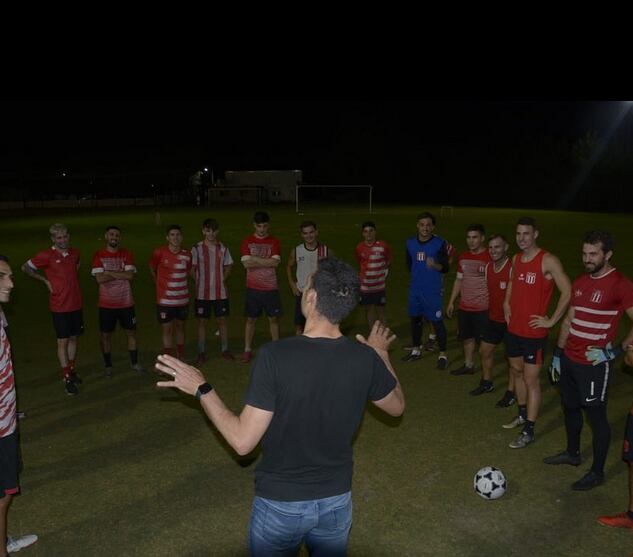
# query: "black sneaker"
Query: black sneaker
{"points": [[483, 388], [563, 458], [442, 362], [412, 356], [464, 370], [588, 481], [71, 388], [507, 400], [108, 372], [75, 378]]}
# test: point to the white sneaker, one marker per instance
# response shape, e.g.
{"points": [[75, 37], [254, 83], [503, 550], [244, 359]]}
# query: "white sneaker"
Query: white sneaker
{"points": [[514, 423], [20, 542]]}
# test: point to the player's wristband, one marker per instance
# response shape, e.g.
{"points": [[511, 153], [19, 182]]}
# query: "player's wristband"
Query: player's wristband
{"points": [[558, 352], [203, 389]]}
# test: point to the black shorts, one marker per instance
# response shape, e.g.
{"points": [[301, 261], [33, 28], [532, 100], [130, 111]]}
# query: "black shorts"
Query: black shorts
{"points": [[9, 464], [166, 314], [68, 323], [262, 300], [471, 324], [494, 332], [299, 317], [204, 308], [530, 349], [583, 384], [108, 318], [373, 298], [627, 449]]}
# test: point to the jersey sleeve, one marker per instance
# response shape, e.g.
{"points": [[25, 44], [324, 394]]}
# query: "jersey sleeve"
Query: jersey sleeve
{"points": [[40, 261], [625, 288], [244, 249], [276, 249], [261, 388], [128, 262], [382, 381], [460, 268], [97, 264], [194, 257], [154, 260]]}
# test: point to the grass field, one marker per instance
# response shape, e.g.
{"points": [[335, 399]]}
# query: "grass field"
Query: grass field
{"points": [[126, 469]]}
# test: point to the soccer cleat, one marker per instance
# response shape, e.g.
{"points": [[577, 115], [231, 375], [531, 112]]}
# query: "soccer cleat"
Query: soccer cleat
{"points": [[409, 348], [226, 354], [519, 420], [138, 368], [75, 378], [588, 481], [412, 356], [20, 542], [202, 358], [431, 345], [246, 357], [108, 372], [563, 458], [71, 387], [442, 363], [507, 400], [620, 520], [483, 388], [464, 370], [522, 440]]}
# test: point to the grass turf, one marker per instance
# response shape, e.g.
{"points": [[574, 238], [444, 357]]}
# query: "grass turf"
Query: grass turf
{"points": [[126, 469]]}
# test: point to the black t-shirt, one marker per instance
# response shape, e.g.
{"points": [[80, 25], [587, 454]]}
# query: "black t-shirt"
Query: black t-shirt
{"points": [[317, 389]]}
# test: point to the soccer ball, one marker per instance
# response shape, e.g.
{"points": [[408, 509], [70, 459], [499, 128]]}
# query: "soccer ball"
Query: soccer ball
{"points": [[490, 483]]}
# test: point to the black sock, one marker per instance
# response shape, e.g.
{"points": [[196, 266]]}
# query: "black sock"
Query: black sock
{"points": [[529, 427], [134, 357], [107, 359], [523, 411]]}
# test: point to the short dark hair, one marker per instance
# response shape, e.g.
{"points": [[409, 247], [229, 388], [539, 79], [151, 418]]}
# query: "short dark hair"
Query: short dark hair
{"points": [[476, 228], [426, 215], [211, 224], [307, 223], [369, 223], [260, 217], [337, 287], [4, 258], [112, 227], [595, 237], [497, 235], [172, 227], [527, 221]]}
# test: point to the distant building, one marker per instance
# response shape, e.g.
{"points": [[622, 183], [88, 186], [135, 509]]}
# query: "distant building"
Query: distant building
{"points": [[256, 186]]}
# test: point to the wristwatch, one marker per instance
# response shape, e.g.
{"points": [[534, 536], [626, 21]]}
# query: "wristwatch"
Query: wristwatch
{"points": [[203, 390]]}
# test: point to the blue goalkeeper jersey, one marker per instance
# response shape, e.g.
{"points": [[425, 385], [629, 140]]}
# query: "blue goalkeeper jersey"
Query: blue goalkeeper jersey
{"points": [[425, 279]]}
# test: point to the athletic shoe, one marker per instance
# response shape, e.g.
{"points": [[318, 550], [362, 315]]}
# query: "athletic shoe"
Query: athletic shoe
{"points": [[588, 481], [431, 345], [522, 440], [108, 372], [202, 358], [138, 368], [507, 400], [226, 354], [412, 357], [75, 378], [620, 520], [409, 348], [71, 387], [563, 458], [464, 370], [442, 363], [519, 420], [20, 542], [483, 388], [246, 357]]}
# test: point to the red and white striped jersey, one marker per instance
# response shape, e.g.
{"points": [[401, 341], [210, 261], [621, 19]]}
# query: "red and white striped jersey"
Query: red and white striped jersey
{"points": [[172, 270], [7, 388], [374, 264], [208, 263], [598, 304], [471, 269], [115, 293]]}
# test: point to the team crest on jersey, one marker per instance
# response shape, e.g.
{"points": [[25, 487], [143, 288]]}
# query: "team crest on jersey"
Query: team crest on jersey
{"points": [[596, 296], [503, 285], [163, 315], [421, 256], [530, 278], [578, 293]]}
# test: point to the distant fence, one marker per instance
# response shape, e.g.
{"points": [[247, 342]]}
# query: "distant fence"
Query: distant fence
{"points": [[89, 203]]}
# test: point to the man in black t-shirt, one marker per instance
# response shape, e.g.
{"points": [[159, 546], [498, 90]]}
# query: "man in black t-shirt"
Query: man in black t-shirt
{"points": [[305, 402]]}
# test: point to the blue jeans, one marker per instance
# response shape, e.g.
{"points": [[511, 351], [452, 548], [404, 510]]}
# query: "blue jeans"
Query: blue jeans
{"points": [[278, 528]]}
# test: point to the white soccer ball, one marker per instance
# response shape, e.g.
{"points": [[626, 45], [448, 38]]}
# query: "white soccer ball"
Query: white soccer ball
{"points": [[490, 483]]}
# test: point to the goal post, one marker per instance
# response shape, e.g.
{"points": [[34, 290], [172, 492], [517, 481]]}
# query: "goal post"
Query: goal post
{"points": [[330, 193]]}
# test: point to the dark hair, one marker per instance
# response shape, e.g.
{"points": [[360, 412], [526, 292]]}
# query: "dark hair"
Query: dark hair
{"points": [[476, 228], [260, 217], [172, 227], [211, 224], [595, 237], [337, 287], [112, 228], [307, 223], [4, 258], [426, 215], [497, 235], [367, 223], [527, 221]]}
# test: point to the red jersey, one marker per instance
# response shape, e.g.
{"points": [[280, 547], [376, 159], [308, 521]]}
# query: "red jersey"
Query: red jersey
{"points": [[531, 293], [208, 263], [7, 388], [497, 282], [598, 304], [471, 269], [261, 278], [115, 293], [171, 271], [374, 264], [60, 269]]}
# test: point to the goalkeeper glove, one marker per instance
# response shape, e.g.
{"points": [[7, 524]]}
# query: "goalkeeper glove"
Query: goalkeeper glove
{"points": [[597, 355], [554, 366]]}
